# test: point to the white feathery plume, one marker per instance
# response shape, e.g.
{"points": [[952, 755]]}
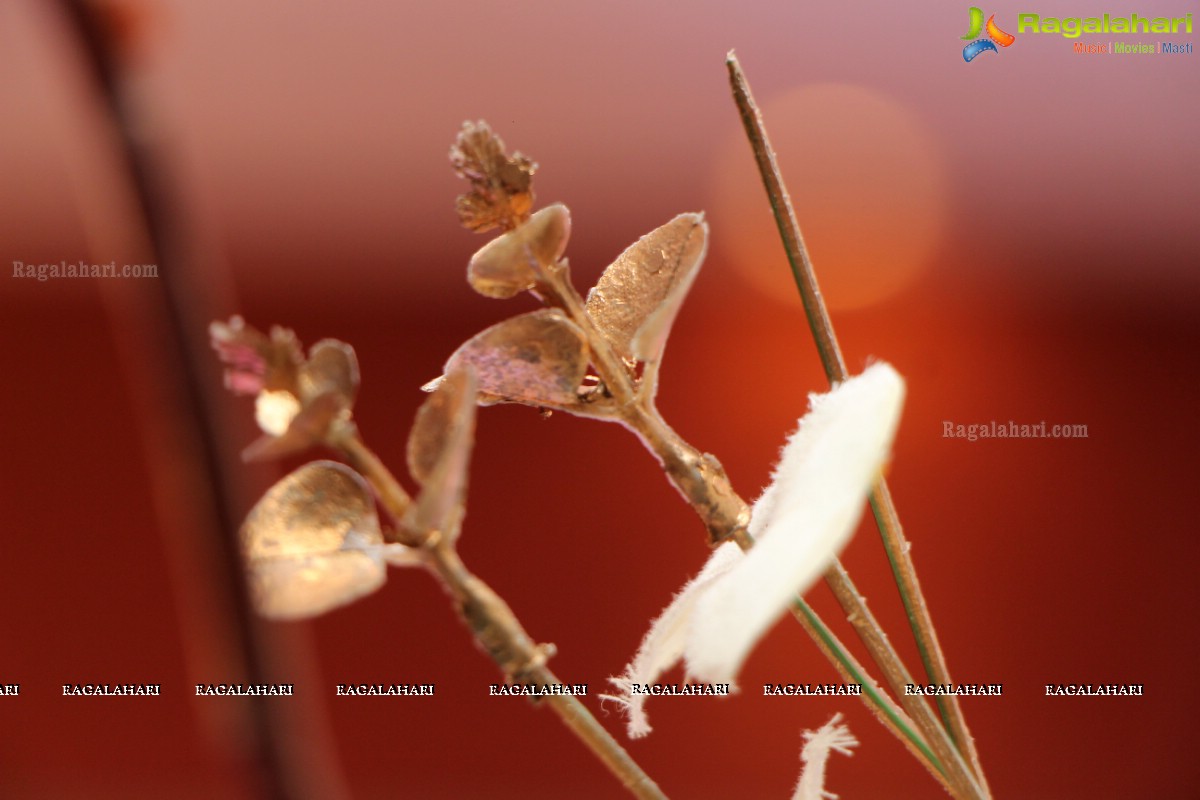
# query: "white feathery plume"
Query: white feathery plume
{"points": [[818, 744], [663, 644], [802, 521]]}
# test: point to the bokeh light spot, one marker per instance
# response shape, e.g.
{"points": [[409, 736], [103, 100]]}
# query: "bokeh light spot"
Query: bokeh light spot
{"points": [[867, 184]]}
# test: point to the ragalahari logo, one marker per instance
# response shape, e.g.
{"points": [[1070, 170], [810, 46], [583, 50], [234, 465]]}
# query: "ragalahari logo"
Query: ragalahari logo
{"points": [[995, 35]]}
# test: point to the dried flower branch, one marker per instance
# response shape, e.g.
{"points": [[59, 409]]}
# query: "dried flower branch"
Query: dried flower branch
{"points": [[627, 397], [314, 542]]}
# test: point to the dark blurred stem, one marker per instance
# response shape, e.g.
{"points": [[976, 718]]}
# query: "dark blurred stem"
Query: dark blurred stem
{"points": [[267, 740], [495, 627], [895, 544]]}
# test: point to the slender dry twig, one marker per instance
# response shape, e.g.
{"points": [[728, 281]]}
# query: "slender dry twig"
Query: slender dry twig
{"points": [[490, 619], [895, 543]]}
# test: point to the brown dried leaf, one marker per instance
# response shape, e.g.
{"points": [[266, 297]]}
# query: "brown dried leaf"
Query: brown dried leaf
{"points": [[439, 452], [332, 368], [509, 264], [313, 542], [636, 299], [255, 362], [538, 358], [501, 185]]}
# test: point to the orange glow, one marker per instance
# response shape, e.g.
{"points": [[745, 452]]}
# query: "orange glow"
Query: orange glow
{"points": [[868, 188]]}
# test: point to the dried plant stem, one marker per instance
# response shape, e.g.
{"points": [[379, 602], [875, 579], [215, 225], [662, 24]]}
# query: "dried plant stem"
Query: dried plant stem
{"points": [[495, 627], [497, 630], [883, 707], [391, 493], [703, 483], [710, 493], [886, 518]]}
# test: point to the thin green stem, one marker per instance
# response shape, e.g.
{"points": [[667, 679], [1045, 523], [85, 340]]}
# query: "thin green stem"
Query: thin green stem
{"points": [[895, 545], [887, 711]]}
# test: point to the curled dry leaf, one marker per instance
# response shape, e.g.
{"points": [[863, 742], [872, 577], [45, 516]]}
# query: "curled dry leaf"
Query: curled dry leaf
{"points": [[312, 543], [538, 359], [802, 521], [637, 298], [501, 193], [439, 452], [297, 397], [510, 263]]}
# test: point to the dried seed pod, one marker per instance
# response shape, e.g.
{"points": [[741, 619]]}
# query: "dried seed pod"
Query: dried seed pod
{"points": [[538, 359], [312, 543], [636, 299], [510, 263]]}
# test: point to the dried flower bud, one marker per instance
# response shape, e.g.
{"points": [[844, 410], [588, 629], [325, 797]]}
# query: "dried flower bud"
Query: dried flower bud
{"points": [[511, 263], [636, 299], [254, 362], [538, 359], [312, 543], [298, 398], [501, 185]]}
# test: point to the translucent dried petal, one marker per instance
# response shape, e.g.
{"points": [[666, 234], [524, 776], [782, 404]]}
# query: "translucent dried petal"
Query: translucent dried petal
{"points": [[254, 361], [312, 543], [664, 643], [503, 266], [439, 452], [450, 408], [802, 522], [818, 745], [307, 586], [637, 298], [538, 358], [501, 186], [332, 367]]}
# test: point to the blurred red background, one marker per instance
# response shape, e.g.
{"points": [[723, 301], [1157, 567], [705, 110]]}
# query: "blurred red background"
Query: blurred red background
{"points": [[1017, 235]]}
